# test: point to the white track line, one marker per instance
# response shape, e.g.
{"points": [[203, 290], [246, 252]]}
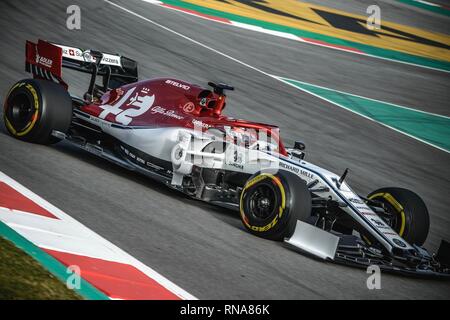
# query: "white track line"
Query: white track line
{"points": [[428, 3], [189, 39], [256, 69], [366, 98], [368, 118]]}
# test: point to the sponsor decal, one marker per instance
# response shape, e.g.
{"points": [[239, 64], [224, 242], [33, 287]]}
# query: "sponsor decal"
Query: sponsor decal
{"points": [[189, 107], [106, 58], [399, 242], [368, 213], [379, 224], [78, 54], [237, 165], [100, 122], [178, 85], [139, 160], [46, 62], [168, 113], [289, 167], [111, 60], [140, 104], [199, 123], [237, 160], [237, 157], [356, 200], [306, 174], [296, 170], [72, 53]]}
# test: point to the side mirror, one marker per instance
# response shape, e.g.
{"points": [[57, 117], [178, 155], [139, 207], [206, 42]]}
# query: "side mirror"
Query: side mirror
{"points": [[299, 145], [220, 87], [298, 150]]}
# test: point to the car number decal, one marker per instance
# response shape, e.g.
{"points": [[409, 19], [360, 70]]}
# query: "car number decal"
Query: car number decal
{"points": [[137, 106]]}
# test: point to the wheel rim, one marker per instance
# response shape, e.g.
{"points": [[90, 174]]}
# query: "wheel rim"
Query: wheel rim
{"points": [[262, 202], [20, 112]]}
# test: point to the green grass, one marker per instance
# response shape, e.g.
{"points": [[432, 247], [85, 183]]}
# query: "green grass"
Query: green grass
{"points": [[23, 278]]}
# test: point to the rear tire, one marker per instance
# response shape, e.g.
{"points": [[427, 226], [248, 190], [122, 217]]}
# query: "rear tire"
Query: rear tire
{"points": [[34, 108], [412, 220], [271, 204]]}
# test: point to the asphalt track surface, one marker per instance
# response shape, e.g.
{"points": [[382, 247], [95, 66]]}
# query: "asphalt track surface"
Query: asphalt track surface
{"points": [[203, 249]]}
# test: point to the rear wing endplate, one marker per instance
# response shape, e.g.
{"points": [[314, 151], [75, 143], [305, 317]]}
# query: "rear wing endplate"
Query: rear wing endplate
{"points": [[45, 60]]}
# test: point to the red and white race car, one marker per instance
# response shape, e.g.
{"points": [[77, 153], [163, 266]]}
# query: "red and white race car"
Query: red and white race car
{"points": [[175, 132]]}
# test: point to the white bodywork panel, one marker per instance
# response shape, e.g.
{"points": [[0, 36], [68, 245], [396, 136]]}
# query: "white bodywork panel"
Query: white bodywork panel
{"points": [[183, 147], [316, 241]]}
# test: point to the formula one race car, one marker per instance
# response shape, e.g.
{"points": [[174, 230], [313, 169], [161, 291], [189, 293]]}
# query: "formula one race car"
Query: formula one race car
{"points": [[175, 132]]}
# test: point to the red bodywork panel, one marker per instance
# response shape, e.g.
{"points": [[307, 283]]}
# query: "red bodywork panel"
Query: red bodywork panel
{"points": [[166, 102], [44, 55], [44, 60]]}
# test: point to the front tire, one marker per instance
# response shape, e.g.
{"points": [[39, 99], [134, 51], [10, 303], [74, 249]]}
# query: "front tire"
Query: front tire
{"points": [[411, 218], [271, 204], [34, 108]]}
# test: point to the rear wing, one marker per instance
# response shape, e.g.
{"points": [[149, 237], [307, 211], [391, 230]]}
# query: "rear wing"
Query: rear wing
{"points": [[45, 60]]}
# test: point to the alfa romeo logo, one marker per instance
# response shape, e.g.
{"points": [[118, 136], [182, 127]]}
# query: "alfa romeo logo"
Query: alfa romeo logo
{"points": [[188, 107]]}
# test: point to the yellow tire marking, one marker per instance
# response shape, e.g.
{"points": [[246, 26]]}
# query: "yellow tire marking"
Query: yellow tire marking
{"points": [[19, 84], [7, 123], [389, 198], [35, 116], [9, 126], [274, 221]]}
